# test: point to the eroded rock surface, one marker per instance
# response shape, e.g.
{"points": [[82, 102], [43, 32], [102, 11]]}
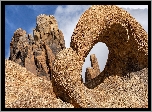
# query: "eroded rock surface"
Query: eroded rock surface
{"points": [[94, 70], [45, 55], [67, 83], [37, 53], [24, 89], [19, 47], [126, 40], [47, 30]]}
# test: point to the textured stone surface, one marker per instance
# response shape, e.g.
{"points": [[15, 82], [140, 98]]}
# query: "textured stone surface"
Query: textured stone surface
{"points": [[66, 80], [19, 47], [37, 53], [94, 71], [125, 38], [118, 92], [127, 42], [24, 89], [114, 92], [47, 30]]}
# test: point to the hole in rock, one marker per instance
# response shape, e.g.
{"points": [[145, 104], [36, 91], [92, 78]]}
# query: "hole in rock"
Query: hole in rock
{"points": [[101, 52]]}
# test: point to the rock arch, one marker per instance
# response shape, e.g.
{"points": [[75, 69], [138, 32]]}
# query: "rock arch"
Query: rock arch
{"points": [[125, 38]]}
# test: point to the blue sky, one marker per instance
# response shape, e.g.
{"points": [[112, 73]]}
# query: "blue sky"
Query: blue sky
{"points": [[24, 16]]}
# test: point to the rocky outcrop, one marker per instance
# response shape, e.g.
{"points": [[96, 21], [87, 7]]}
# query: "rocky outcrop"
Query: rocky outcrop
{"points": [[124, 92], [24, 89], [94, 71], [67, 83], [47, 31], [19, 47], [37, 53], [126, 40], [45, 55]]}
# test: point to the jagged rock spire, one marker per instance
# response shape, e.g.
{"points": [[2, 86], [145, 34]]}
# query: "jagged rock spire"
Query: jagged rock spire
{"points": [[37, 53]]}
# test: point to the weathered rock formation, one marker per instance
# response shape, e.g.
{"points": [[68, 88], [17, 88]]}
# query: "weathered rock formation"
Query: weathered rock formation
{"points": [[128, 52], [47, 31], [94, 71], [24, 89], [45, 55], [19, 47], [37, 54], [66, 80]]}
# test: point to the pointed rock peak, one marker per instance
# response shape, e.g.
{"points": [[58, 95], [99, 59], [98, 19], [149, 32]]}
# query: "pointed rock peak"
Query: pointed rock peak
{"points": [[19, 32], [46, 21]]}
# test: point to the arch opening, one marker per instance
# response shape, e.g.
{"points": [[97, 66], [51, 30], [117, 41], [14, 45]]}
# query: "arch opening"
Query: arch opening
{"points": [[101, 54], [119, 31], [121, 58]]}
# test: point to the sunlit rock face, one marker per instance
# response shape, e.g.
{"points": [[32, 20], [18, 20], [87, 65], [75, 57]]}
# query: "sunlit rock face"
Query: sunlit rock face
{"points": [[37, 53], [122, 83], [126, 40]]}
